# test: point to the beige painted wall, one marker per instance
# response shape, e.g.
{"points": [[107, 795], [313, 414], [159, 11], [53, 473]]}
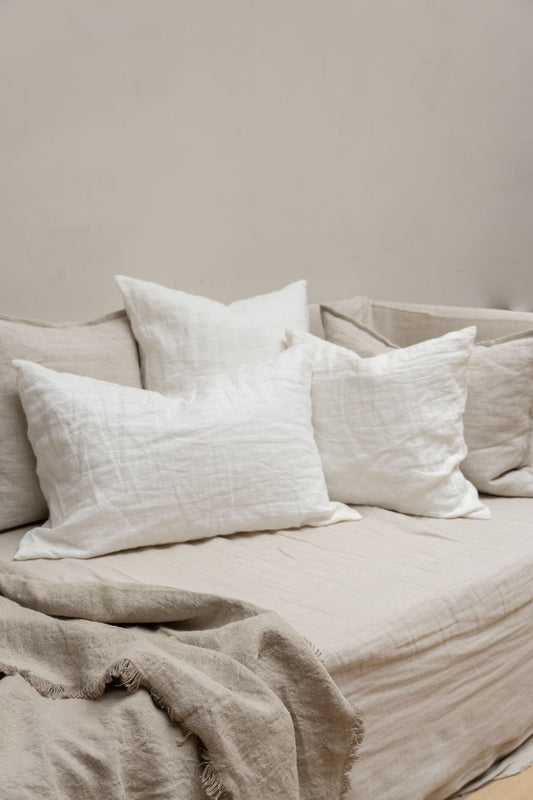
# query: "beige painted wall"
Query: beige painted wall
{"points": [[226, 147]]}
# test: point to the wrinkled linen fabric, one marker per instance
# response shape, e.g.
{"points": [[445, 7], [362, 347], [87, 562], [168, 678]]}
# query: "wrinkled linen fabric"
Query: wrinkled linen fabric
{"points": [[185, 339], [390, 429], [102, 348], [411, 323], [499, 416], [91, 749], [498, 420], [269, 721], [315, 320], [348, 331], [422, 623], [513, 764], [124, 467]]}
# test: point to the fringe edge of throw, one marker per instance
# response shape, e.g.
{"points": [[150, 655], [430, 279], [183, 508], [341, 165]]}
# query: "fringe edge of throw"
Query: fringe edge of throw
{"points": [[211, 783], [131, 677], [357, 735], [355, 739]]}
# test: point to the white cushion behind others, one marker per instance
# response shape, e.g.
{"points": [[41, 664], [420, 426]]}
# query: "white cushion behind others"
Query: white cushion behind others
{"points": [[185, 339]]}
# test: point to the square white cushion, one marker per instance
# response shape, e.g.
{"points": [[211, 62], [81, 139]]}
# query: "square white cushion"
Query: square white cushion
{"points": [[184, 339], [123, 467], [498, 424], [389, 429]]}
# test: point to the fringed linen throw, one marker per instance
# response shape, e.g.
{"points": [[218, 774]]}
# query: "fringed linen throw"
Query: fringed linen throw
{"points": [[203, 675]]}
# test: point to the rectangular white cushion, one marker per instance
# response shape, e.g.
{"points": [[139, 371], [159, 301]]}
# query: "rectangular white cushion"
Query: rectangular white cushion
{"points": [[123, 467]]}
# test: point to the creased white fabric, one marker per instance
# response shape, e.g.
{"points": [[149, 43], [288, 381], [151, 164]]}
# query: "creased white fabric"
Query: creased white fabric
{"points": [[498, 419], [184, 339], [123, 467], [390, 429]]}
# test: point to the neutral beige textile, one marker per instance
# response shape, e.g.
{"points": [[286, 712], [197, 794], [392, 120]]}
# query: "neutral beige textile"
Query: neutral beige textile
{"points": [[498, 427], [516, 762], [270, 722], [103, 348], [498, 416], [347, 331], [409, 323], [78, 749], [423, 623], [315, 321]]}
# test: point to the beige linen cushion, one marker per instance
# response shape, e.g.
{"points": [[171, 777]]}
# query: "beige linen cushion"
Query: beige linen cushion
{"points": [[388, 433], [315, 321], [409, 323], [498, 416], [185, 339], [102, 348]]}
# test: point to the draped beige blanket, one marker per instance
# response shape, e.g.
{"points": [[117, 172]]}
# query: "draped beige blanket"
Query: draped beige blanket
{"points": [[106, 687]]}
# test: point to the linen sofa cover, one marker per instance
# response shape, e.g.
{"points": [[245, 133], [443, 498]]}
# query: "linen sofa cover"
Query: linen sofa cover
{"points": [[424, 624]]}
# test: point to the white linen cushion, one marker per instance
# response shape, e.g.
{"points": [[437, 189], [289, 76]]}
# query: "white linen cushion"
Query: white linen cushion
{"points": [[123, 467], [498, 419], [184, 339], [389, 429]]}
